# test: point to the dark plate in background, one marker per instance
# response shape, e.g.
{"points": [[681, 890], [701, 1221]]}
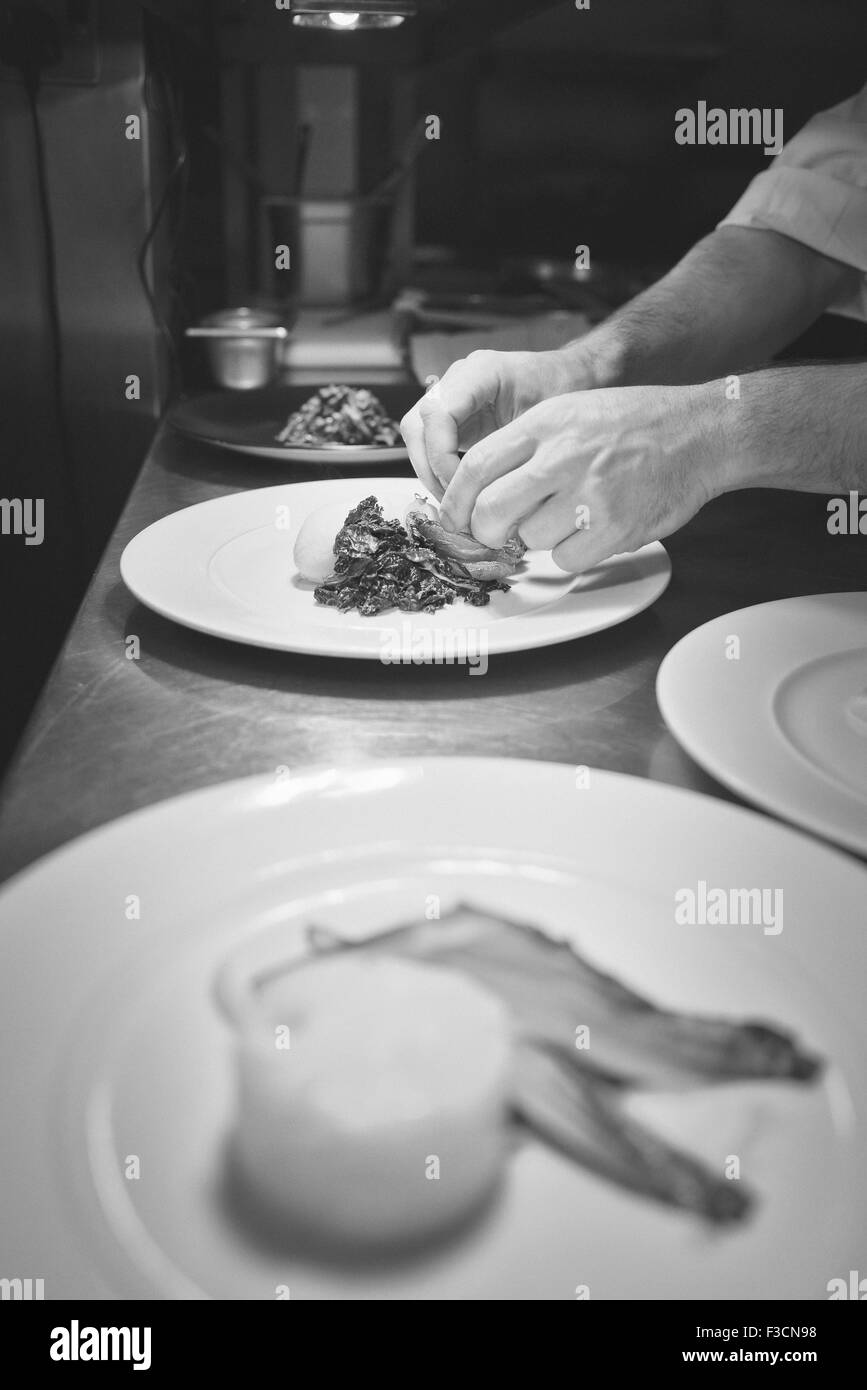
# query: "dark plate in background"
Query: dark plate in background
{"points": [[248, 422]]}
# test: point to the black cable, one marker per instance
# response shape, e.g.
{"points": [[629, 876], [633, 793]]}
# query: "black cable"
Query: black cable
{"points": [[50, 261], [178, 177], [53, 303], [141, 263]]}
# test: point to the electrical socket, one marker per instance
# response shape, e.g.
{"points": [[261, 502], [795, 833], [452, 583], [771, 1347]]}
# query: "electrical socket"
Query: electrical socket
{"points": [[78, 24]]}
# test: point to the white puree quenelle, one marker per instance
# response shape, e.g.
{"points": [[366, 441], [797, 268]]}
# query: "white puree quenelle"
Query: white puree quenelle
{"points": [[314, 544], [386, 1116]]}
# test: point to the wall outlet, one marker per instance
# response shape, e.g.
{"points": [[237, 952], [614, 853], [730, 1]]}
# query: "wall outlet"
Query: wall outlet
{"points": [[78, 23]]}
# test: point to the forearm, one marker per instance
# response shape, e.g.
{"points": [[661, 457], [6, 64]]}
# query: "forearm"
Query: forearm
{"points": [[803, 428], [735, 299]]}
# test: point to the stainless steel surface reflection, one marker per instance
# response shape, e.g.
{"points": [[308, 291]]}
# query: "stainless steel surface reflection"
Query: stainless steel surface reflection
{"points": [[111, 734]]}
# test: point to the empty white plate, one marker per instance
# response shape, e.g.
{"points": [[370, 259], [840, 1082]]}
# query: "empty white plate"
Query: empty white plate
{"points": [[772, 701], [117, 1063], [225, 567]]}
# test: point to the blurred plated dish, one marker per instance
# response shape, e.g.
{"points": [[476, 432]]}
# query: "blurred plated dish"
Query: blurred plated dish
{"points": [[251, 422], [123, 1041]]}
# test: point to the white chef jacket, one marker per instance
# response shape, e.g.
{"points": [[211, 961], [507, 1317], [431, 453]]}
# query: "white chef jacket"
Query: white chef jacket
{"points": [[815, 191]]}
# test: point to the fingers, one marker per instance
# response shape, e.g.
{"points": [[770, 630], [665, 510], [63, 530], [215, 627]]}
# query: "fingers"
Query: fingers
{"points": [[502, 505], [555, 520], [487, 461], [439, 441], [584, 549], [412, 429], [435, 427]]}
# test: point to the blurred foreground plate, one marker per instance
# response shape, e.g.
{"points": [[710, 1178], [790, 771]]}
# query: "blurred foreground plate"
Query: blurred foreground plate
{"points": [[115, 1050], [248, 422], [225, 567], [772, 701]]}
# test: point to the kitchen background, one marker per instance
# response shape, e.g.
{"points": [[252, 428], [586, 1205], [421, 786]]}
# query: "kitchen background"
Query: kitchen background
{"points": [[556, 128]]}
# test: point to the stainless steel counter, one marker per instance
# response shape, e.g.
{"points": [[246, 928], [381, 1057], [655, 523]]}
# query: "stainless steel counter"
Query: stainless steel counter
{"points": [[110, 734]]}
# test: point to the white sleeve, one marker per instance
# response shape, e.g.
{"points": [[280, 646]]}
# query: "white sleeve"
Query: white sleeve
{"points": [[815, 192]]}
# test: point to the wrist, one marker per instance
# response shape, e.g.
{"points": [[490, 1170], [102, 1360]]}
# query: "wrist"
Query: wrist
{"points": [[594, 362], [754, 416], [723, 451]]}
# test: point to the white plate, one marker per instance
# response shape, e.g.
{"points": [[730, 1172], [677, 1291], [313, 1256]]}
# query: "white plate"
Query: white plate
{"points": [[784, 723], [225, 567], [114, 1047]]}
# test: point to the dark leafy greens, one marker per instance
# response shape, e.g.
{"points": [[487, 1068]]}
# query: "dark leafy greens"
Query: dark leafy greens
{"points": [[381, 564], [341, 415]]}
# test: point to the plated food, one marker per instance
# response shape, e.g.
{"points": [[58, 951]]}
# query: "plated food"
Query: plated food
{"points": [[341, 415], [361, 1067], [374, 564], [554, 909], [250, 423], [226, 567], [373, 1098]]}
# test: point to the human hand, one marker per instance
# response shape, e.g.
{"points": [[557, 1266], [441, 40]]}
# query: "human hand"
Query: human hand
{"points": [[478, 395], [593, 473]]}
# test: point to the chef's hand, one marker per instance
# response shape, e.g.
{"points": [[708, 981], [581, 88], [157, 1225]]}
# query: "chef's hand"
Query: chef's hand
{"points": [[594, 473], [478, 395]]}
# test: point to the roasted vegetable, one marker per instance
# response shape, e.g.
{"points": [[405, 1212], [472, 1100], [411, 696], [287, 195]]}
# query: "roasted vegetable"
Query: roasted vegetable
{"points": [[479, 560], [572, 1096]]}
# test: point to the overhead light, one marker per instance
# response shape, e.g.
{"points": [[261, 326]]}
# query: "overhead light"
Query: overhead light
{"points": [[354, 14]]}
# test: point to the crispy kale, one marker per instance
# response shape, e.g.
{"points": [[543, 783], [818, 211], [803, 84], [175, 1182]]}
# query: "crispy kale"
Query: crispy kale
{"points": [[341, 415], [381, 564]]}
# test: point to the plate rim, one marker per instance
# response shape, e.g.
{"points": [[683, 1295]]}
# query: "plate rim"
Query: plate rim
{"points": [[356, 455], [838, 833], [240, 788]]}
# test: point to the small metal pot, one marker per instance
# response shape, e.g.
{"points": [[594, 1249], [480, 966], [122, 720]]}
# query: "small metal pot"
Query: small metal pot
{"points": [[242, 346]]}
